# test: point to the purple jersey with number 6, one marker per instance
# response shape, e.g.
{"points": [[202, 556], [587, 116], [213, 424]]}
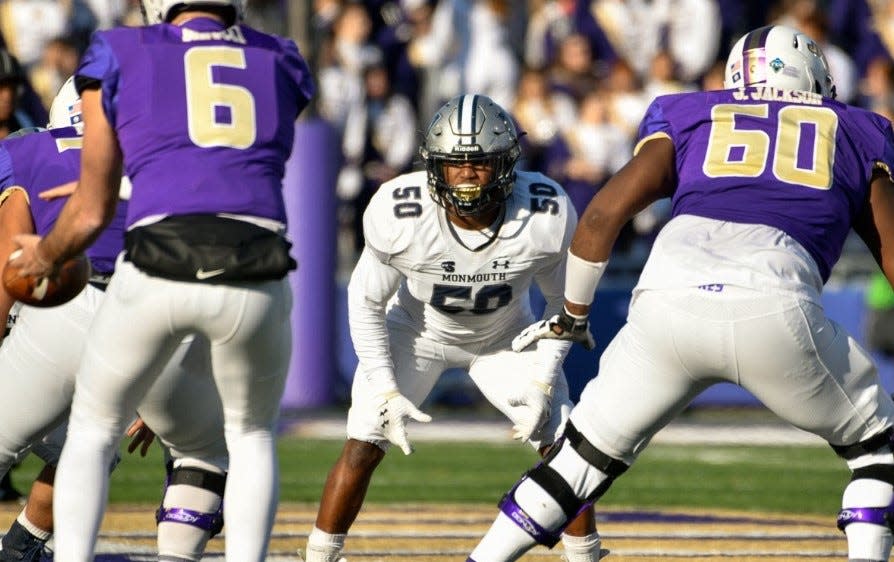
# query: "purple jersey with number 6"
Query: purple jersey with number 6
{"points": [[204, 114], [791, 160], [38, 161]]}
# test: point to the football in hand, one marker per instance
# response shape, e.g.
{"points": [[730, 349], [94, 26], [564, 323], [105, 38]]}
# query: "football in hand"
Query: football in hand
{"points": [[65, 285]]}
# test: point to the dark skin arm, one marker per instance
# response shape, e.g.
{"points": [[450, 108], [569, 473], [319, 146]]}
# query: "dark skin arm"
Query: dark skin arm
{"points": [[649, 176], [875, 224], [92, 205]]}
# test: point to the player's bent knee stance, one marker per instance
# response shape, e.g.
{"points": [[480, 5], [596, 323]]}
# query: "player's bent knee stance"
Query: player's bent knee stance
{"points": [[867, 505], [572, 476], [191, 511]]}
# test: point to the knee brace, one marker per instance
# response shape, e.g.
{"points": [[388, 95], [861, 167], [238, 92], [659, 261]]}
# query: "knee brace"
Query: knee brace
{"points": [[213, 482], [865, 483], [558, 489]]}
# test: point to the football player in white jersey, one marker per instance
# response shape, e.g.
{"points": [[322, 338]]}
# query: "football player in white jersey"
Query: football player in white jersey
{"points": [[443, 282]]}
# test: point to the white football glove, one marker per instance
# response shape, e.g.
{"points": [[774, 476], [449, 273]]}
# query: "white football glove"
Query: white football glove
{"points": [[393, 410], [537, 398], [562, 326]]}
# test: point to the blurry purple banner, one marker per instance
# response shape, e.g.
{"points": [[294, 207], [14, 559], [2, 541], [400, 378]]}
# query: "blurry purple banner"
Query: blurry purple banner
{"points": [[309, 189]]}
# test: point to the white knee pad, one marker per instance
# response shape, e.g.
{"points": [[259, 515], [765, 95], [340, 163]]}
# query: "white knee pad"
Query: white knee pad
{"points": [[191, 510], [867, 506], [553, 493]]}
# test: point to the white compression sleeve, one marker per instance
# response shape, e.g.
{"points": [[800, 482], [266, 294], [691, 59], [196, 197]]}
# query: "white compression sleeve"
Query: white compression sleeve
{"points": [[581, 279]]}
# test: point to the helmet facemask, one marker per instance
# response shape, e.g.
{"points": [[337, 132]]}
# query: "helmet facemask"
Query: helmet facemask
{"points": [[471, 131]]}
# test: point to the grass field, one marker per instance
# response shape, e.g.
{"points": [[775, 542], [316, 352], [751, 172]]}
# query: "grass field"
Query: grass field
{"points": [[785, 479], [679, 502]]}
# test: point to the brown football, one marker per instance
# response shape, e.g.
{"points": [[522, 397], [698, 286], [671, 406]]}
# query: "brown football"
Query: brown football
{"points": [[44, 292]]}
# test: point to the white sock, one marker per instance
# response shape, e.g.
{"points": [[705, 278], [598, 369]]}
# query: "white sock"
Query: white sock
{"points": [[41, 534], [582, 549], [323, 547]]}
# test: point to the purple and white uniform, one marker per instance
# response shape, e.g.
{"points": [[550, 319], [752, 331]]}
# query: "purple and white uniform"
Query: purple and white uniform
{"points": [[205, 118], [38, 161], [40, 357], [769, 182]]}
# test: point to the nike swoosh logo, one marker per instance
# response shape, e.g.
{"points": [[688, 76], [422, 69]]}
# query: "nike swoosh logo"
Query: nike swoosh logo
{"points": [[202, 274]]}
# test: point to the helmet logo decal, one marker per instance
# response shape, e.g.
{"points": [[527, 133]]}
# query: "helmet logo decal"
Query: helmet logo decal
{"points": [[777, 64]]}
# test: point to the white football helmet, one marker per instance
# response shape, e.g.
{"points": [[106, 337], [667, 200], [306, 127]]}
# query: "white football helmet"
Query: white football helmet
{"points": [[66, 108], [159, 11], [471, 128], [781, 57]]}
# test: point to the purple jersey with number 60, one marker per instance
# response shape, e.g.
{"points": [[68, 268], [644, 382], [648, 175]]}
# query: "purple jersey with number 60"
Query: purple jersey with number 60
{"points": [[791, 160], [204, 114], [38, 161]]}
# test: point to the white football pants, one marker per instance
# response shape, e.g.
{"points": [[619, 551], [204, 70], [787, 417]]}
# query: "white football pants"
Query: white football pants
{"points": [[138, 327], [801, 365]]}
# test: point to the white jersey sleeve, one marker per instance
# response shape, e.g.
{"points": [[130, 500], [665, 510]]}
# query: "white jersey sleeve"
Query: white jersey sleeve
{"points": [[372, 284]]}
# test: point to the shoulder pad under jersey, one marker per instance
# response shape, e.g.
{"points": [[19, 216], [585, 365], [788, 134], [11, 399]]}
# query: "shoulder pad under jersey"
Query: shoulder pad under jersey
{"points": [[394, 212], [544, 204]]}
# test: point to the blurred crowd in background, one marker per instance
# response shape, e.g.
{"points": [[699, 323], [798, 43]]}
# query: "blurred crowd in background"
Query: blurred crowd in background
{"points": [[576, 74]]}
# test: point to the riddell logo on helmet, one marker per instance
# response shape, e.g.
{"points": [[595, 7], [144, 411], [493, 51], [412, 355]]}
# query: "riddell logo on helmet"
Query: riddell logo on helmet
{"points": [[467, 148]]}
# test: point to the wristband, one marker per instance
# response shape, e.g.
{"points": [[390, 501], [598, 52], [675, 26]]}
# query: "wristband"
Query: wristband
{"points": [[581, 279]]}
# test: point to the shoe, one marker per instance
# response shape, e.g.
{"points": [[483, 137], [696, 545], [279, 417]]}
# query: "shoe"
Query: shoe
{"points": [[18, 545], [35, 552]]}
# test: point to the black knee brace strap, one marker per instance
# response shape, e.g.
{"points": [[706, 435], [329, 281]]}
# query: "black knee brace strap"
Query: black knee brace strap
{"points": [[206, 480], [610, 466], [883, 472], [188, 476], [865, 447], [556, 486]]}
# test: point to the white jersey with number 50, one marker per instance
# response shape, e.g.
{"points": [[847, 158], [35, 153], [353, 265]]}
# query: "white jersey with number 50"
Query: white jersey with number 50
{"points": [[453, 294]]}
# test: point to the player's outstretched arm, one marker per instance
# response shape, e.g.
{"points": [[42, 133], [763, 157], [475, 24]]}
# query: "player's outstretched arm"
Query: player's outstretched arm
{"points": [[647, 177]]}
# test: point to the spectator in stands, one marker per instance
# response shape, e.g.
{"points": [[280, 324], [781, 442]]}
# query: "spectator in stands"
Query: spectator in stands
{"points": [[877, 87], [574, 71], [542, 114], [12, 84], [379, 143], [664, 79], [813, 21], [688, 29], [854, 25], [628, 101], [589, 151], [465, 48], [344, 56], [713, 79], [59, 61], [551, 21]]}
